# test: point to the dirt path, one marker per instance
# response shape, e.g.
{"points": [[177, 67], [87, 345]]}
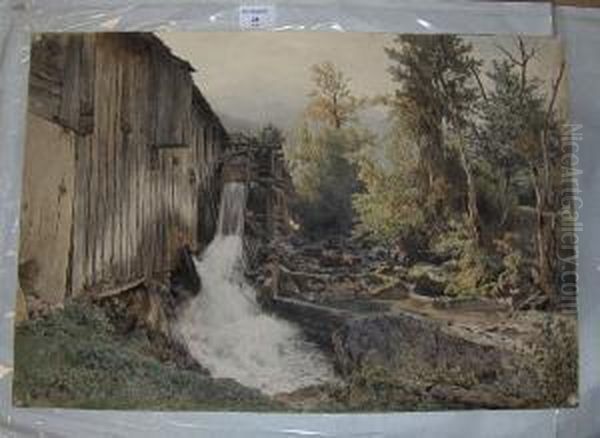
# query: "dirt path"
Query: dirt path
{"points": [[496, 327]]}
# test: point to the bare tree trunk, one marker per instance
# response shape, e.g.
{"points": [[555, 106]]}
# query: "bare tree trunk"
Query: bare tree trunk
{"points": [[545, 241], [472, 209], [431, 162], [545, 217], [505, 199]]}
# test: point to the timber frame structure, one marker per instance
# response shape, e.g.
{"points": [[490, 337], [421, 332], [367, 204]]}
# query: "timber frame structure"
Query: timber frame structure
{"points": [[121, 166]]}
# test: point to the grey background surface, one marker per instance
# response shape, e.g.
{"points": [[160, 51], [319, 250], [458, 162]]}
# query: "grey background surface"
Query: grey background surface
{"points": [[580, 29]]}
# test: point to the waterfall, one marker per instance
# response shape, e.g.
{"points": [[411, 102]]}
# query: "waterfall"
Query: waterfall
{"points": [[225, 329], [231, 211]]}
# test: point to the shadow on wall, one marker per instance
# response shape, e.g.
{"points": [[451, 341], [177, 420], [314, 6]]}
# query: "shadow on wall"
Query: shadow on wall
{"points": [[120, 164]]}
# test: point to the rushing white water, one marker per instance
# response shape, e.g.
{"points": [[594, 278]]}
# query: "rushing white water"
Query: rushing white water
{"points": [[226, 331]]}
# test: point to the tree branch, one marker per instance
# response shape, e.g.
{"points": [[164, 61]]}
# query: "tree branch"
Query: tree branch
{"points": [[509, 55], [479, 83], [553, 96]]}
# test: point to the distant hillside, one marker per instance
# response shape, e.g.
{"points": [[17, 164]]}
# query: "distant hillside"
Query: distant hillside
{"points": [[374, 118], [236, 124]]}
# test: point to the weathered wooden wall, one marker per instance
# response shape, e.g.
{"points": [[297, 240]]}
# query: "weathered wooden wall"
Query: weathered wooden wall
{"points": [[146, 148], [46, 206], [268, 199]]}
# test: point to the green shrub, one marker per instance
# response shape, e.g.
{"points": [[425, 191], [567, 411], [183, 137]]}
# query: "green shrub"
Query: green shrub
{"points": [[473, 270], [557, 362]]}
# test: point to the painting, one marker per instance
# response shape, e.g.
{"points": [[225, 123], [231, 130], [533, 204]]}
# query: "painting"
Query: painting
{"points": [[297, 222]]}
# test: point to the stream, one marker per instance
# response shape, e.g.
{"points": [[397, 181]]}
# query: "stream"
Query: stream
{"points": [[225, 329]]}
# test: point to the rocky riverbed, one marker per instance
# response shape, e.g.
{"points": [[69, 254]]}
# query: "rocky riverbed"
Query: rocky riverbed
{"points": [[386, 324], [393, 346]]}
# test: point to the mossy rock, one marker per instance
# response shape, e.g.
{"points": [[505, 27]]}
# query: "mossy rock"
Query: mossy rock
{"points": [[429, 280]]}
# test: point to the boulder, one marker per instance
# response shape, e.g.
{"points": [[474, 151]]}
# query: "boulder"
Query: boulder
{"points": [[318, 322], [419, 350], [185, 281]]}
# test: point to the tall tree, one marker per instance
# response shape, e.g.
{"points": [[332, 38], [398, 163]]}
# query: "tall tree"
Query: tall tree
{"points": [[331, 101], [525, 117], [509, 109], [389, 204], [320, 155], [439, 83]]}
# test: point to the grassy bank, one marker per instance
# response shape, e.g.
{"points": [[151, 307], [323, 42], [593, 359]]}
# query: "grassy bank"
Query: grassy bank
{"points": [[78, 358]]}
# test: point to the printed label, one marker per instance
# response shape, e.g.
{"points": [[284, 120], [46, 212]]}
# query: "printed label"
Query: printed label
{"points": [[257, 17]]}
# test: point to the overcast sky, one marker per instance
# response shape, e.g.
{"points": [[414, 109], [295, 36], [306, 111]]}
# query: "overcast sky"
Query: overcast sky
{"points": [[262, 77]]}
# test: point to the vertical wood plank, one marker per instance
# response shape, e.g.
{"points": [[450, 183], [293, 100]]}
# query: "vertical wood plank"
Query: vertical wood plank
{"points": [[87, 83], [80, 215], [71, 81], [103, 75], [111, 170], [95, 195], [134, 109], [122, 164], [156, 174], [122, 159], [144, 154]]}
